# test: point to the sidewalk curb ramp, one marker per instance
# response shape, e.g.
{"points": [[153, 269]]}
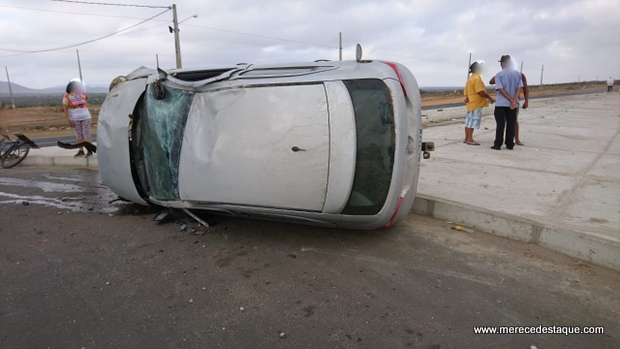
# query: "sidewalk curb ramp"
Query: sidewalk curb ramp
{"points": [[591, 247]]}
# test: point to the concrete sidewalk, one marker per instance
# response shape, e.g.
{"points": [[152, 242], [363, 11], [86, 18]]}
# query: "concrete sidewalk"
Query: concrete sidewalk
{"points": [[55, 156], [560, 190]]}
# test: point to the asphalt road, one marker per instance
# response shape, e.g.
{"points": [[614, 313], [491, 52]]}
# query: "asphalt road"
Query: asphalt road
{"points": [[79, 272], [51, 141]]}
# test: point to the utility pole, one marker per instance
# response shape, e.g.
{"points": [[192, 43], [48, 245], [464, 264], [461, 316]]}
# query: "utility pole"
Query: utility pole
{"points": [[521, 71], [79, 65], [177, 43], [541, 76], [8, 80], [468, 65], [340, 46]]}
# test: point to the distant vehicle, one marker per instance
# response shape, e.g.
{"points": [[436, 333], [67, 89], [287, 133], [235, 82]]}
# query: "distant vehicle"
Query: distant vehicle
{"points": [[329, 143]]}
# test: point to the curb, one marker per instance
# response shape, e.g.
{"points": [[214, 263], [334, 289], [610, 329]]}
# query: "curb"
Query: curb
{"points": [[66, 161], [591, 247], [594, 248]]}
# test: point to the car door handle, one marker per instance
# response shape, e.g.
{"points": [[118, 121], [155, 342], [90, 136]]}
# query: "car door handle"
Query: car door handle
{"points": [[296, 149]]}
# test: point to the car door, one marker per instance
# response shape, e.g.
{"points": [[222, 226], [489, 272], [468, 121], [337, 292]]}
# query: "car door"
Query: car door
{"points": [[262, 146]]}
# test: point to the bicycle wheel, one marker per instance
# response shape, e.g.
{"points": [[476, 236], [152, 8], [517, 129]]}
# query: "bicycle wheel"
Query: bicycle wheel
{"points": [[16, 154]]}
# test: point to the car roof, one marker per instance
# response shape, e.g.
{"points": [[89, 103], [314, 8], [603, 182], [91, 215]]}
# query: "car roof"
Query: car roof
{"points": [[285, 72]]}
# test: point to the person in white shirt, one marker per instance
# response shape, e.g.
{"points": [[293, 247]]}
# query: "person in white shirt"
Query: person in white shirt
{"points": [[610, 84]]}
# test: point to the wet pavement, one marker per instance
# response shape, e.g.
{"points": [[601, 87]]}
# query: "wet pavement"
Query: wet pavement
{"points": [[80, 271], [64, 189]]}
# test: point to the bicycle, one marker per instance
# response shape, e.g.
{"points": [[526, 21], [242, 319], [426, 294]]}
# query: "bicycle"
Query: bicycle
{"points": [[12, 152]]}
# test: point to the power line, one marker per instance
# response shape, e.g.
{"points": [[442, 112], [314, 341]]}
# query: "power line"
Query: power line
{"points": [[86, 42], [119, 34], [111, 4], [190, 25], [310, 43], [76, 13], [260, 36]]}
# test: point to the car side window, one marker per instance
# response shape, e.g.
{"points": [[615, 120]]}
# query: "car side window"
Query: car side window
{"points": [[375, 134]]}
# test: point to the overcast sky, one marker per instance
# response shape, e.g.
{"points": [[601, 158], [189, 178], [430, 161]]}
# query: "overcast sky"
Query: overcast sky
{"points": [[433, 38]]}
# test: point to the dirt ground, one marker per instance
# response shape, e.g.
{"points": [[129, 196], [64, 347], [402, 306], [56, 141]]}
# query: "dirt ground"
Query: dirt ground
{"points": [[40, 122], [50, 121]]}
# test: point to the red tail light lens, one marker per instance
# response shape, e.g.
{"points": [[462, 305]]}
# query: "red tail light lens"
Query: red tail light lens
{"points": [[400, 78], [389, 224]]}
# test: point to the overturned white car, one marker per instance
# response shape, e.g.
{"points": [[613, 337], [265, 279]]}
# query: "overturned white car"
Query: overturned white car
{"points": [[335, 144]]}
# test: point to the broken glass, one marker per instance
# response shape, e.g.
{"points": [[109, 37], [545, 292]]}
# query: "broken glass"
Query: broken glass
{"points": [[162, 129]]}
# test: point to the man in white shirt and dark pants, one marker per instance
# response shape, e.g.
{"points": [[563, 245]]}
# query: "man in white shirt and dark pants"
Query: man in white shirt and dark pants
{"points": [[610, 84]]}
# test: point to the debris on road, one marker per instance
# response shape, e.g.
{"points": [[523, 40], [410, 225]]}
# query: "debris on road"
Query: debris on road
{"points": [[116, 200], [460, 228], [163, 217], [196, 218]]}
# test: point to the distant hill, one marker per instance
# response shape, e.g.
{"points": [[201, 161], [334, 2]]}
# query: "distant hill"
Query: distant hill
{"points": [[20, 89], [4, 88]]}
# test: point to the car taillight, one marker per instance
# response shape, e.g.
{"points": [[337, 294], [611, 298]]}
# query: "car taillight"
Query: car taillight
{"points": [[389, 224], [400, 78]]}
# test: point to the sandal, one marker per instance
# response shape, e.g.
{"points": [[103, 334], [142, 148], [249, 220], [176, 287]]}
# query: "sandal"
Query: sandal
{"points": [[519, 143], [79, 153], [473, 143]]}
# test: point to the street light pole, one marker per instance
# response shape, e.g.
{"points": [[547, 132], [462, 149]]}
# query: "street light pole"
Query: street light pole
{"points": [[340, 46], [8, 80], [79, 65], [469, 65], [177, 43]]}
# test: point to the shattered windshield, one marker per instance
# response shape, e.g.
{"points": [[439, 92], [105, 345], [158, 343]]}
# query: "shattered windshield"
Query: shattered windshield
{"points": [[162, 128]]}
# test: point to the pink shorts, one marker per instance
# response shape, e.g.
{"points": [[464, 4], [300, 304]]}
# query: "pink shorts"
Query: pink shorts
{"points": [[82, 128]]}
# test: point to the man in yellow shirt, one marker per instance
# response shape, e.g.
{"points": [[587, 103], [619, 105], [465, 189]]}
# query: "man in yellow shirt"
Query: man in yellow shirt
{"points": [[476, 98]]}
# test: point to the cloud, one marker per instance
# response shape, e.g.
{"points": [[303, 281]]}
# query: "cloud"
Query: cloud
{"points": [[433, 38]]}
